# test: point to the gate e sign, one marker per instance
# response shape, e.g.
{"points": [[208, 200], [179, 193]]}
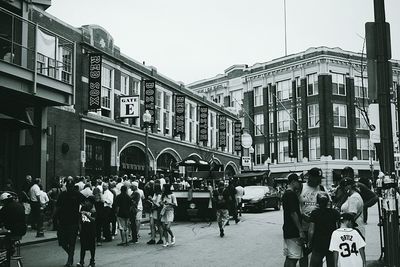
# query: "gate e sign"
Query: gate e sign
{"points": [[129, 106]]}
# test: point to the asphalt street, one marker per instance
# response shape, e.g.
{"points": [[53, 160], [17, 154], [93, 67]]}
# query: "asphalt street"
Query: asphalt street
{"points": [[255, 241]]}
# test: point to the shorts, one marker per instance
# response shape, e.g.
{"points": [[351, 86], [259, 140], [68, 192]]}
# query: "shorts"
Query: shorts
{"points": [[222, 215], [123, 223], [139, 215], [292, 248]]}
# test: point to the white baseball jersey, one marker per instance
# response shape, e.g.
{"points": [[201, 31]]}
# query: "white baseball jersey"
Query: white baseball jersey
{"points": [[347, 242]]}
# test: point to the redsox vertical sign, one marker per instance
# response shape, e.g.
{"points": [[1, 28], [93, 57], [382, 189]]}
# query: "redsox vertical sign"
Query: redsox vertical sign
{"points": [[150, 98], [94, 81], [203, 124], [180, 115]]}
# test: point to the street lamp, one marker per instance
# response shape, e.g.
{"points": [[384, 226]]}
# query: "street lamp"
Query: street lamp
{"points": [[146, 122]]}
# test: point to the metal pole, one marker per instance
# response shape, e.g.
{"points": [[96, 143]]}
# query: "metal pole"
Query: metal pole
{"points": [[146, 164], [284, 13]]}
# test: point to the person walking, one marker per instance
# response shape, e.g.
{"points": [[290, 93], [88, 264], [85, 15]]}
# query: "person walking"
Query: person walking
{"points": [[88, 231], [68, 216], [347, 245], [43, 200], [139, 209], [353, 204], [308, 202], [99, 206], [155, 225], [238, 197], [123, 205], [232, 200], [34, 193], [107, 198], [323, 221], [221, 199], [168, 202], [293, 236]]}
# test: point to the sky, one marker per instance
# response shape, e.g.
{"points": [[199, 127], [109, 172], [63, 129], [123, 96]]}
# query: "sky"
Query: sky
{"points": [[191, 40]]}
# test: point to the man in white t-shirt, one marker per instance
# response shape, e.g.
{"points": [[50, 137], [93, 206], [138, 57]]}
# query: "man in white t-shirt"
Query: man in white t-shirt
{"points": [[34, 193], [238, 196], [347, 245]]}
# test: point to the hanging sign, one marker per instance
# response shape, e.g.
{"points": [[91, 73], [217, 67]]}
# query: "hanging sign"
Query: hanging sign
{"points": [[179, 115], [129, 106], [237, 129], [150, 98], [203, 124], [94, 81], [222, 131]]}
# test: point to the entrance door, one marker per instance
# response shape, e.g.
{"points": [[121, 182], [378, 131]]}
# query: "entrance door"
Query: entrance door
{"points": [[98, 157]]}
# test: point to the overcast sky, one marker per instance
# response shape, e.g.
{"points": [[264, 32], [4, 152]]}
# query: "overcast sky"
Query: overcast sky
{"points": [[189, 40]]}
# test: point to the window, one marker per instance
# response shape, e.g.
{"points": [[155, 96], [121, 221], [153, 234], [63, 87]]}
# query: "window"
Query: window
{"points": [[360, 120], [361, 87], [283, 151], [315, 149], [259, 124], [338, 84], [167, 114], [340, 115], [300, 149], [341, 147], [212, 133], [284, 120], [313, 116], [258, 96], [270, 95], [106, 90], [365, 149], [237, 99], [191, 123], [312, 84], [299, 118], [283, 90], [260, 154], [271, 122], [229, 136], [298, 87], [124, 84]]}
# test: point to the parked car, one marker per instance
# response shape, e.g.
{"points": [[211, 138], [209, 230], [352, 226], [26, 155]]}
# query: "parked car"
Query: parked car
{"points": [[261, 197]]}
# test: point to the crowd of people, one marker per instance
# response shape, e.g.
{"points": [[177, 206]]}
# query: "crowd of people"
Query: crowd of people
{"points": [[325, 225]]}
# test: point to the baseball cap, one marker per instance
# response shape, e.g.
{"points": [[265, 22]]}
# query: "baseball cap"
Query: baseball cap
{"points": [[315, 172], [348, 217], [294, 177], [5, 196]]}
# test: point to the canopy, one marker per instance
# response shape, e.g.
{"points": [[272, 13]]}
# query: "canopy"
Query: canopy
{"points": [[11, 121], [192, 161]]}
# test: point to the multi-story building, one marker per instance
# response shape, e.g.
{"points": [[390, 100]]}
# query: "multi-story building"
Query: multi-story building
{"points": [[52, 132], [320, 94]]}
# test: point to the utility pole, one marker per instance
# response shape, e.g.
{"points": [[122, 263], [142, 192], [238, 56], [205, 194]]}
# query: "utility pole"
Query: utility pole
{"points": [[380, 82]]}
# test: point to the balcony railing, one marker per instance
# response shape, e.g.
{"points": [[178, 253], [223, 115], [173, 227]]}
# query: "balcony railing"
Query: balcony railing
{"points": [[28, 45]]}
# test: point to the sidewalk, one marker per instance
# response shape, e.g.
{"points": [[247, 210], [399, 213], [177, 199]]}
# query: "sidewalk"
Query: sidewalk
{"points": [[30, 237], [373, 248]]}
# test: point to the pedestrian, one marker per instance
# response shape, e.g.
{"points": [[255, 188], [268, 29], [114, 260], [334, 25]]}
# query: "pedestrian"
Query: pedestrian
{"points": [[155, 225], [379, 183], [88, 231], [293, 235], [107, 198], [99, 206], [221, 199], [44, 201], [353, 204], [53, 194], [368, 196], [122, 206], [87, 190], [347, 245], [308, 202], [168, 203], [68, 216], [34, 193], [232, 200], [12, 215], [25, 199], [139, 209], [238, 197], [323, 221]]}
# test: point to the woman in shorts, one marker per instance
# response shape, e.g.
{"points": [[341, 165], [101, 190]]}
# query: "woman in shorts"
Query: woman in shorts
{"points": [[168, 202]]}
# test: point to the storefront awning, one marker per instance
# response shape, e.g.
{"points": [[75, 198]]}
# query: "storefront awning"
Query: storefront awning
{"points": [[251, 174], [283, 175], [9, 121], [192, 161]]}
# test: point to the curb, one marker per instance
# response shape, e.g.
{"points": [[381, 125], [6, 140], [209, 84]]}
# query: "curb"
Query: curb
{"points": [[49, 239]]}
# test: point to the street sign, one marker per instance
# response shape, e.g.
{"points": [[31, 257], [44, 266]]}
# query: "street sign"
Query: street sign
{"points": [[129, 106], [246, 161], [247, 141]]}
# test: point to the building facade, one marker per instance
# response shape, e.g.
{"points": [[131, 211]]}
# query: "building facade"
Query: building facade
{"points": [[76, 140], [319, 97]]}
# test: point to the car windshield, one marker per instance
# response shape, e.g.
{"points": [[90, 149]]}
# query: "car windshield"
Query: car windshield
{"points": [[250, 192]]}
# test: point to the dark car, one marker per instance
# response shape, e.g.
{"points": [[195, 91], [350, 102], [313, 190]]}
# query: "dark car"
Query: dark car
{"points": [[261, 197]]}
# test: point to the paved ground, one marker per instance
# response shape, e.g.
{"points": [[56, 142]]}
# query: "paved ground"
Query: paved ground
{"points": [[255, 241]]}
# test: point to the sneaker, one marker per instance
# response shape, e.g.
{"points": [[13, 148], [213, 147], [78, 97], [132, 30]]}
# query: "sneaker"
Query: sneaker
{"points": [[121, 244], [227, 223], [151, 242], [221, 233], [160, 242], [173, 240], [166, 244], [237, 220]]}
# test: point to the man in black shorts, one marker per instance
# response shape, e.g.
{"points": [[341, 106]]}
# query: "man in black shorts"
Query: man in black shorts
{"points": [[292, 234]]}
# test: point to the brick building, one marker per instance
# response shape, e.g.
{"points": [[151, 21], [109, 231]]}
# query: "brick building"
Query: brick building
{"points": [[70, 139], [320, 94]]}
